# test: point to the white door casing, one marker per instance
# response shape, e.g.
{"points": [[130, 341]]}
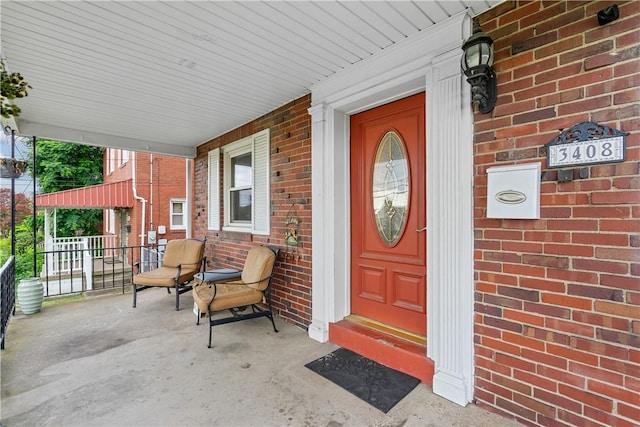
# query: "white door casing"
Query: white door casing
{"points": [[409, 67]]}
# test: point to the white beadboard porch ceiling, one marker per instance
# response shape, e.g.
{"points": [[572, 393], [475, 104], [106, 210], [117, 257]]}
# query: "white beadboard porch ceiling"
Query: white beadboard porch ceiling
{"points": [[166, 76]]}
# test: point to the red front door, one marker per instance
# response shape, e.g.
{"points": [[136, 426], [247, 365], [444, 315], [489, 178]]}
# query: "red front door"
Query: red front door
{"points": [[388, 214]]}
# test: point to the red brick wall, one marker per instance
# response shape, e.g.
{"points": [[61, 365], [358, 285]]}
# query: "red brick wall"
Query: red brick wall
{"points": [[557, 321], [158, 185], [290, 131], [166, 181]]}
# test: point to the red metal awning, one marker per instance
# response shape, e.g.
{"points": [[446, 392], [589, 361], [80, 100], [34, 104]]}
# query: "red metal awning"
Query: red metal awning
{"points": [[112, 195]]}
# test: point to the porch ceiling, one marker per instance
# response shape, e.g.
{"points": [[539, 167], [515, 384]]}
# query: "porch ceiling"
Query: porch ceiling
{"points": [[165, 76]]}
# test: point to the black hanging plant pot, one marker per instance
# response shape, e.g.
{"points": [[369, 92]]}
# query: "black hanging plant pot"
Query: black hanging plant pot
{"points": [[12, 168], [14, 86]]}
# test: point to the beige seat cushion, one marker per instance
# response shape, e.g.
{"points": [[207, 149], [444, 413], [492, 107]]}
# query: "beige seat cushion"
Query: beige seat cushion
{"points": [[163, 276], [227, 296], [258, 267], [186, 252]]}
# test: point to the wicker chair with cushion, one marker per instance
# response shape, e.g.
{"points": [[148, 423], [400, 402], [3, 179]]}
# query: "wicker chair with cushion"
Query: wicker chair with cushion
{"points": [[182, 259], [216, 293]]}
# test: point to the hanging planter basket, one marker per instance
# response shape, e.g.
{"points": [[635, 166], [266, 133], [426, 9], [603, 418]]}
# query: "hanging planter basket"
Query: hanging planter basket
{"points": [[12, 168]]}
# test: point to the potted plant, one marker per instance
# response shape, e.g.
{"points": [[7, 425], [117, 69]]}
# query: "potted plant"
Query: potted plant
{"points": [[12, 168], [13, 86]]}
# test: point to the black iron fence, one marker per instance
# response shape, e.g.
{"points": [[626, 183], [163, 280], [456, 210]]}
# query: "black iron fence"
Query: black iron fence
{"points": [[7, 295], [78, 270]]}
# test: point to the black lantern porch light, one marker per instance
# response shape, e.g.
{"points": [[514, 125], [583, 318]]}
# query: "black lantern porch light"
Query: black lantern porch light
{"points": [[476, 64]]}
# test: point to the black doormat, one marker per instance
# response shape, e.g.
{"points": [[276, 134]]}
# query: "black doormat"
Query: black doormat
{"points": [[376, 384]]}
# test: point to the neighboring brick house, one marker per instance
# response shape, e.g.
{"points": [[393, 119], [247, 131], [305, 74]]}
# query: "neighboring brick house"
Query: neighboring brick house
{"points": [[159, 197], [142, 195], [535, 319]]}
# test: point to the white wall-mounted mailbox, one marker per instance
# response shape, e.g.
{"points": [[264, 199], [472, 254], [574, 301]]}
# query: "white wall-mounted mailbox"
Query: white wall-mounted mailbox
{"points": [[514, 191]]}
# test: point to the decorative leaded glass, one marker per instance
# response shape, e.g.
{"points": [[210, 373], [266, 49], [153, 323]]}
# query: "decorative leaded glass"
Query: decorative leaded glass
{"points": [[390, 190]]}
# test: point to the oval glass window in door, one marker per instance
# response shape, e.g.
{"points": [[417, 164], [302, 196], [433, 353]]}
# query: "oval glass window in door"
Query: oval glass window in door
{"points": [[390, 190]]}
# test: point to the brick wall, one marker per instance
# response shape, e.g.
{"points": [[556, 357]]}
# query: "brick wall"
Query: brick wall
{"points": [[158, 185], [557, 317], [290, 130], [165, 181]]}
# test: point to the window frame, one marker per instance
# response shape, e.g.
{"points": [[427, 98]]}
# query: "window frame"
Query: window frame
{"points": [[213, 192], [111, 160], [233, 150], [173, 226], [258, 145], [123, 158]]}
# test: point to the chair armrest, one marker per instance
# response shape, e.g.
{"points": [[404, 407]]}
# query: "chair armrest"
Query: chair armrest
{"points": [[136, 266], [215, 287], [178, 273], [179, 267], [239, 283], [257, 281]]}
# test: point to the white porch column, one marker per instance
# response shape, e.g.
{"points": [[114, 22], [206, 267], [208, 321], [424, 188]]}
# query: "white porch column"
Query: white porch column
{"points": [[47, 230], [48, 241], [188, 174], [330, 226], [321, 267], [450, 229]]}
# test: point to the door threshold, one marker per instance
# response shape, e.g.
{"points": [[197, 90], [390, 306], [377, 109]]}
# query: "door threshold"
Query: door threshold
{"points": [[392, 347], [388, 329]]}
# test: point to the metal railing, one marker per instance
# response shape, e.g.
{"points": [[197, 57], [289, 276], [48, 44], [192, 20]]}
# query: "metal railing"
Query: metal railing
{"points": [[71, 251], [7, 295], [92, 269]]}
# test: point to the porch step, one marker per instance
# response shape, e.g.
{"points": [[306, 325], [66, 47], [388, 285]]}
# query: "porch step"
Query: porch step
{"points": [[109, 291], [389, 347], [107, 281]]}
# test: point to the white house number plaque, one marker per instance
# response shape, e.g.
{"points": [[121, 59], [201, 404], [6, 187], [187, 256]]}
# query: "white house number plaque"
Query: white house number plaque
{"points": [[586, 143], [585, 152]]}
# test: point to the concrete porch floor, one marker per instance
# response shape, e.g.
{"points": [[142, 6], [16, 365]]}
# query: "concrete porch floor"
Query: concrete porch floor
{"points": [[100, 362]]}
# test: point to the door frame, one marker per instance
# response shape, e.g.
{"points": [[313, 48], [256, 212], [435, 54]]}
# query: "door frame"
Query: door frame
{"points": [[404, 69]]}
